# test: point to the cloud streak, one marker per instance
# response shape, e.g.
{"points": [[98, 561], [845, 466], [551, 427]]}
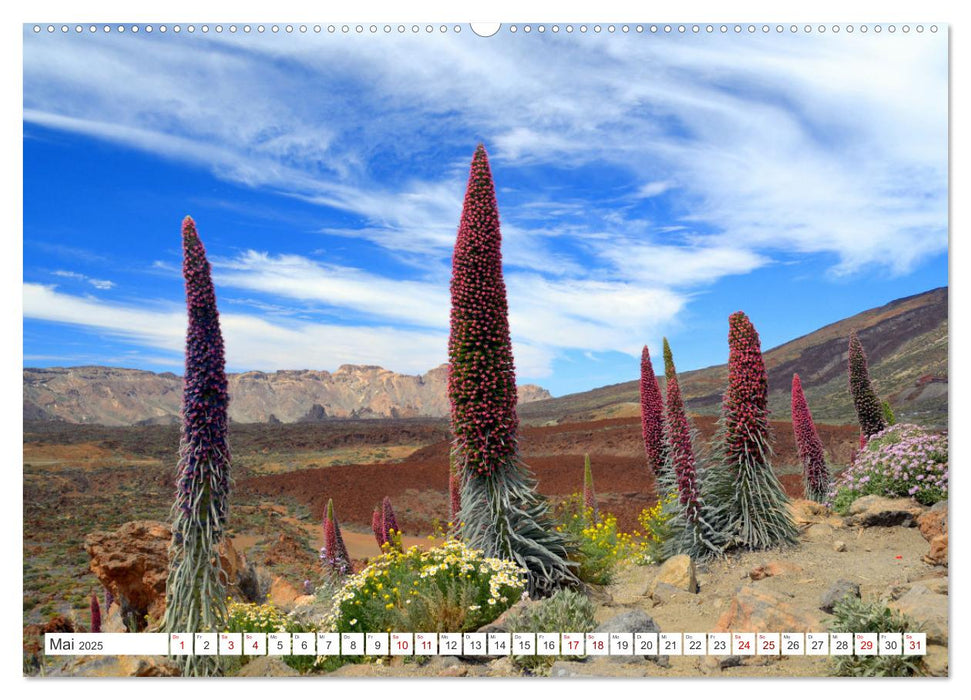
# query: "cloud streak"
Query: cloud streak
{"points": [[707, 157]]}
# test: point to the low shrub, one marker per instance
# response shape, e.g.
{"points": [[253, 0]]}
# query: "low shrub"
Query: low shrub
{"points": [[853, 615], [903, 460], [450, 588], [564, 611], [655, 529], [599, 544]]}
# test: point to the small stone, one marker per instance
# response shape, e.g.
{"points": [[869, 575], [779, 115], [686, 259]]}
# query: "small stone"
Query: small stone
{"points": [[719, 663], [839, 546], [774, 568], [819, 532], [839, 590], [679, 572], [632, 621]]}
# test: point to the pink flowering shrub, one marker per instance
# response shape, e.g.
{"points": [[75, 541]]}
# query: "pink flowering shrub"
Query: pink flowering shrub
{"points": [[652, 415], [903, 460]]}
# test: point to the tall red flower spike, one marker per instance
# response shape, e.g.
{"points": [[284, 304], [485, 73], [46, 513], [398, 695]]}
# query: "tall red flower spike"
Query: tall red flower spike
{"points": [[482, 377], [809, 446], [334, 554], [502, 514], [652, 415], [377, 527], [748, 507], [389, 524], [868, 409], [679, 440]]}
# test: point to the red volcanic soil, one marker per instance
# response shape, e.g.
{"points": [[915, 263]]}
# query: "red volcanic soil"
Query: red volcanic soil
{"points": [[417, 486]]}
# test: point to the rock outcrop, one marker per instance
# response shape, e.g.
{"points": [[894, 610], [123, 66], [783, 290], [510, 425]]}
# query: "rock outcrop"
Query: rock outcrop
{"points": [[132, 562], [113, 396]]}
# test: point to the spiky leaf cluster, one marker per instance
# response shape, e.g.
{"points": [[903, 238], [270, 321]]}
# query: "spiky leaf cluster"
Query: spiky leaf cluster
{"points": [[809, 446], [652, 415], [744, 501], [501, 512], [195, 592], [868, 409]]}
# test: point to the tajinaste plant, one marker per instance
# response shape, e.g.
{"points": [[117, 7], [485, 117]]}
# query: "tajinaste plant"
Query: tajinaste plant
{"points": [[502, 514], [589, 496], [679, 440], [652, 415], [377, 526], [334, 553], [809, 446], [688, 532], [743, 499], [389, 525], [95, 613], [868, 410], [195, 591]]}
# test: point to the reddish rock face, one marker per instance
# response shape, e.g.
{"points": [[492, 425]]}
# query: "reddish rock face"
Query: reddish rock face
{"points": [[933, 524], [133, 561], [938, 554], [757, 610]]}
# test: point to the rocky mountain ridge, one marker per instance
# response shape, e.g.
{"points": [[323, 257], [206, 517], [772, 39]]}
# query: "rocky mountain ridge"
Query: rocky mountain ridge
{"points": [[114, 396]]}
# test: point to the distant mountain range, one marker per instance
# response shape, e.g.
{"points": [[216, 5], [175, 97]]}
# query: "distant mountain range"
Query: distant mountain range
{"points": [[112, 396], [905, 341]]}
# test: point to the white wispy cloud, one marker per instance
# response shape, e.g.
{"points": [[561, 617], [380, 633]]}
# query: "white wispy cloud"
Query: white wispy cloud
{"points": [[761, 146], [96, 283], [252, 342]]}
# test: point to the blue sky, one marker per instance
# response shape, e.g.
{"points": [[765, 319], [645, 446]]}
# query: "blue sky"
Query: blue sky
{"points": [[648, 185]]}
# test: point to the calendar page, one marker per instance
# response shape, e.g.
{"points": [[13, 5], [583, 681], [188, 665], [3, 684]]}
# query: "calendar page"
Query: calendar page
{"points": [[425, 349]]}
